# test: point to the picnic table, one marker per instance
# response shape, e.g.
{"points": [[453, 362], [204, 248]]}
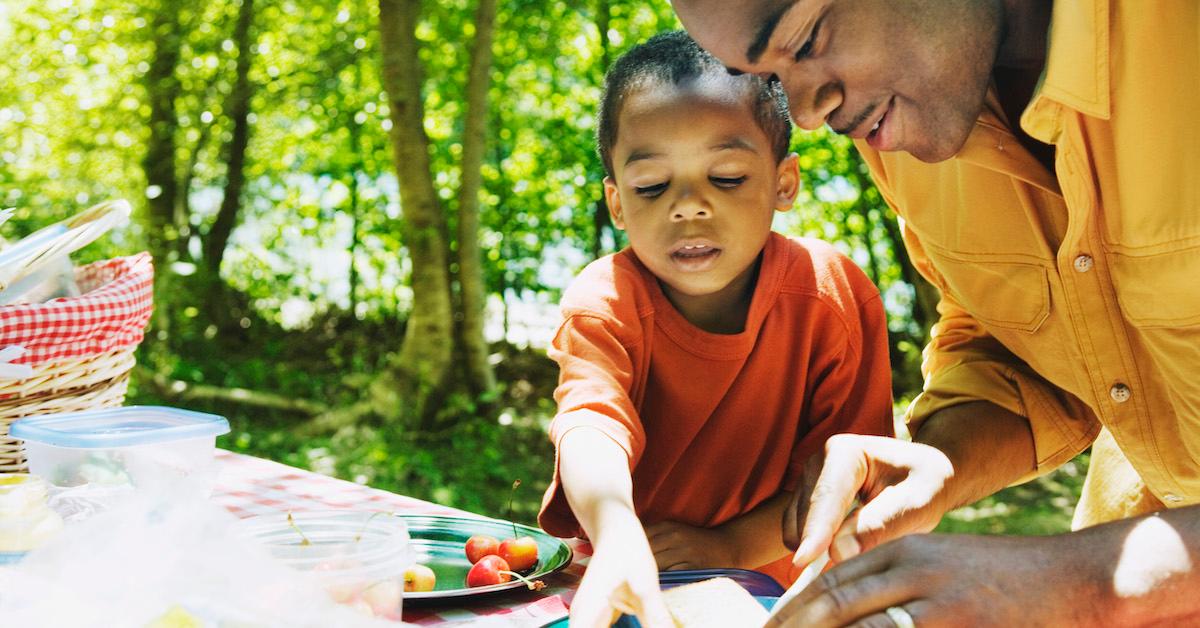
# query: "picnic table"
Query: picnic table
{"points": [[248, 486]]}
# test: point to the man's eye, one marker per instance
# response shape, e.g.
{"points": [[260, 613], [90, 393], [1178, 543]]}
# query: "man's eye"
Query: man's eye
{"points": [[727, 182], [650, 190], [806, 49]]}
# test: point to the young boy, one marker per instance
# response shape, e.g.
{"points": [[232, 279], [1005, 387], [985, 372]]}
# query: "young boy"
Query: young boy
{"points": [[704, 364]]}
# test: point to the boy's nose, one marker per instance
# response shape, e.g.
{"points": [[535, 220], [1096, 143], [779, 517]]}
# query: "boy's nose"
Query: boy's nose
{"points": [[690, 207]]}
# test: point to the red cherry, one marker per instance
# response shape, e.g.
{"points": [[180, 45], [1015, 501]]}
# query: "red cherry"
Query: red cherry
{"points": [[481, 545], [520, 553], [489, 570]]}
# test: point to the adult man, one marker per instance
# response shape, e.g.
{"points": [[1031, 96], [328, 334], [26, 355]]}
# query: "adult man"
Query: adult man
{"points": [[1066, 248]]}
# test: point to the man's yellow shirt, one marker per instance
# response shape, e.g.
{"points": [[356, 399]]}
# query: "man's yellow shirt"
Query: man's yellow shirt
{"points": [[1073, 298]]}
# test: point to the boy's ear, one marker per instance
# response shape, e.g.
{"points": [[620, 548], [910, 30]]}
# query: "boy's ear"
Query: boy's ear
{"points": [[613, 200], [787, 181]]}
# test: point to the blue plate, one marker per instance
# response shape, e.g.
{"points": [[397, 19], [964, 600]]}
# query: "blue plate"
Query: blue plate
{"points": [[760, 585]]}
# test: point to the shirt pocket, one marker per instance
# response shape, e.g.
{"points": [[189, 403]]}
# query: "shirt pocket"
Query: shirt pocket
{"points": [[998, 291], [1160, 290]]}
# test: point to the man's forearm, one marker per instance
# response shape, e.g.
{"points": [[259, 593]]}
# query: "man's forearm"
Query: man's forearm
{"points": [[1144, 570], [989, 447]]}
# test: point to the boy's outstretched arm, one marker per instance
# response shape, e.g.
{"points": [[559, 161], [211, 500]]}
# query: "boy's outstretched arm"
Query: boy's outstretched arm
{"points": [[745, 542], [622, 576]]}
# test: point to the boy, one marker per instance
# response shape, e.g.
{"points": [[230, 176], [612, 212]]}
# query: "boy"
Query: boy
{"points": [[704, 364]]}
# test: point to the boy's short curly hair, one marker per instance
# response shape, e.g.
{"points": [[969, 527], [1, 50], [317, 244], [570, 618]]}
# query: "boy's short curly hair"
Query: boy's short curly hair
{"points": [[672, 58]]}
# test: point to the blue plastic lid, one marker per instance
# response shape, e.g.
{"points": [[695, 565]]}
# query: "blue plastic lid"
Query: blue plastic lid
{"points": [[118, 427]]}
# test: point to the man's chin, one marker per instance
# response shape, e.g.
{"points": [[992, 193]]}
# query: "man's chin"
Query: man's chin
{"points": [[933, 153]]}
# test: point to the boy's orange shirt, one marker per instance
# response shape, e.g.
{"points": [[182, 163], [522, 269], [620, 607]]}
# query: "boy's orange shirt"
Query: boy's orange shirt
{"points": [[715, 424]]}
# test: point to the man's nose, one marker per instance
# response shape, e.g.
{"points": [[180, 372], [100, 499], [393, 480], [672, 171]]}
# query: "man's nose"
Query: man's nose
{"points": [[811, 104], [690, 206]]}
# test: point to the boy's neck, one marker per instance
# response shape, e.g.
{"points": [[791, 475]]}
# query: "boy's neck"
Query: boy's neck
{"points": [[722, 312]]}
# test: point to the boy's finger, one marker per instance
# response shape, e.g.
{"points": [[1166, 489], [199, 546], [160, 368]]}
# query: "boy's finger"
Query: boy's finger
{"points": [[592, 611], [653, 612]]}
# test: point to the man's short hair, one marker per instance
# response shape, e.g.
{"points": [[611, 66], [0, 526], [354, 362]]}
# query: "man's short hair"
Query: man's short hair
{"points": [[672, 58]]}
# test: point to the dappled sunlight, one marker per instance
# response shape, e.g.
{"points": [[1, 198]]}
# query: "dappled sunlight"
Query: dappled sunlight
{"points": [[1152, 554]]}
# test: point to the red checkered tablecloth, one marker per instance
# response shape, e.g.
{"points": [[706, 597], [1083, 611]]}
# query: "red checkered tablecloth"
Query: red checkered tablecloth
{"points": [[251, 486], [110, 315]]}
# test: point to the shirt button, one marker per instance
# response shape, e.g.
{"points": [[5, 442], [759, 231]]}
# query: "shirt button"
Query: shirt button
{"points": [[1083, 263], [1173, 498], [1120, 393]]}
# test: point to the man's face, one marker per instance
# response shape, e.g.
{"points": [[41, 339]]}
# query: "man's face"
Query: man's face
{"points": [[905, 75]]}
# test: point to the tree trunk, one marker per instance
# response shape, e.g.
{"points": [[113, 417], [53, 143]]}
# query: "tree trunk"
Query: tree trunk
{"points": [[235, 174], [162, 88], [424, 358], [600, 218], [480, 377]]}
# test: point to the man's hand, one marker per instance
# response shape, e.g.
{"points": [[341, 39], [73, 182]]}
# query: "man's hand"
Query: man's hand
{"points": [[621, 577], [944, 580], [681, 546], [1131, 572], [899, 484]]}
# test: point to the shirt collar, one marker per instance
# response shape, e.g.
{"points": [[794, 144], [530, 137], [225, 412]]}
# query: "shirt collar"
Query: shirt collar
{"points": [[1077, 68]]}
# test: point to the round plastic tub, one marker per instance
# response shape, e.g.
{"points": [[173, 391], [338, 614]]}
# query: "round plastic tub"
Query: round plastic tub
{"points": [[359, 556]]}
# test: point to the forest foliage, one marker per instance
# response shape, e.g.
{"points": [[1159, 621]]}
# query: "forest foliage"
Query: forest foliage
{"points": [[361, 212]]}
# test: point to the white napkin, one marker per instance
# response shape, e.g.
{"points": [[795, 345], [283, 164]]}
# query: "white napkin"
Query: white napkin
{"points": [[13, 371]]}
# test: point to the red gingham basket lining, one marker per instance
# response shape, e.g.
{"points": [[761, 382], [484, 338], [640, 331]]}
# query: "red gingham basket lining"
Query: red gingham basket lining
{"points": [[111, 314]]}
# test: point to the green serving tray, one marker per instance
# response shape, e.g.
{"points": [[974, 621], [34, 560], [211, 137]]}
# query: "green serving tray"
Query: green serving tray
{"points": [[438, 542]]}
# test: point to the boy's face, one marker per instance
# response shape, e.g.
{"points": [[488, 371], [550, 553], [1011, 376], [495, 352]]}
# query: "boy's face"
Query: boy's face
{"points": [[906, 75], [695, 183]]}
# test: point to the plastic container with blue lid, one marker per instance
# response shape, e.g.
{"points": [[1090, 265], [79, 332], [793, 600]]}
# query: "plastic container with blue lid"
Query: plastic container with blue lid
{"points": [[129, 446]]}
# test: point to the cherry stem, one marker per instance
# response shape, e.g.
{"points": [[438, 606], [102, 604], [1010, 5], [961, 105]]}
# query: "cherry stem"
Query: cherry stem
{"points": [[358, 536], [292, 522], [534, 585], [512, 494]]}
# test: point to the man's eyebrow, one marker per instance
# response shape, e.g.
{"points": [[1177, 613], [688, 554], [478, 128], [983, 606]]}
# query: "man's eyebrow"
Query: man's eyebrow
{"points": [[763, 37]]}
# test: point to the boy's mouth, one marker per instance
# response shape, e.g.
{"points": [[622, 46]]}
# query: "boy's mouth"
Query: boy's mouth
{"points": [[694, 255]]}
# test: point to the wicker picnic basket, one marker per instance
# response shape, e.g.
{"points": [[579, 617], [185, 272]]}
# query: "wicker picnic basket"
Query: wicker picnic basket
{"points": [[80, 349]]}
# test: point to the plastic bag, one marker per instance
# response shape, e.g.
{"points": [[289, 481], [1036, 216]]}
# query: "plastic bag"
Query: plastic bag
{"points": [[164, 561]]}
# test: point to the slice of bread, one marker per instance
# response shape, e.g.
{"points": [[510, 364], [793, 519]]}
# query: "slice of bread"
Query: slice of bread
{"points": [[715, 603]]}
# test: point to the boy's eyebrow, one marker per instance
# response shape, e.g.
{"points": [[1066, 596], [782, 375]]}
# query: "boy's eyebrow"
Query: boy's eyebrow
{"points": [[639, 155], [763, 37], [735, 143]]}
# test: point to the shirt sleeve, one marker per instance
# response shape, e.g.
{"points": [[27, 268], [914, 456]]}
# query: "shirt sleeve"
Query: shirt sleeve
{"points": [[595, 378], [852, 392], [964, 363]]}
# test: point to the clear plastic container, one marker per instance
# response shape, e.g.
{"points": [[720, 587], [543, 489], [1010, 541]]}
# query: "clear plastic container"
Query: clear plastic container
{"points": [[26, 521], [359, 556], [123, 448]]}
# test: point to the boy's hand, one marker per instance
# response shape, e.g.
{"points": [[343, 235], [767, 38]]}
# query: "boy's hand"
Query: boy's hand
{"points": [[620, 578], [681, 546]]}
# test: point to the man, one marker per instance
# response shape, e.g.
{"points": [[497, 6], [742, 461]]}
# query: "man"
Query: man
{"points": [[1043, 157]]}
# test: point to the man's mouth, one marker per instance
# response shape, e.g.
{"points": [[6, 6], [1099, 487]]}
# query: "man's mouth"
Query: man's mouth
{"points": [[878, 137]]}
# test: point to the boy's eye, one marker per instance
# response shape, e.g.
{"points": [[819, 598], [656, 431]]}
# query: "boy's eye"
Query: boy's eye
{"points": [[650, 190], [727, 182], [806, 49]]}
